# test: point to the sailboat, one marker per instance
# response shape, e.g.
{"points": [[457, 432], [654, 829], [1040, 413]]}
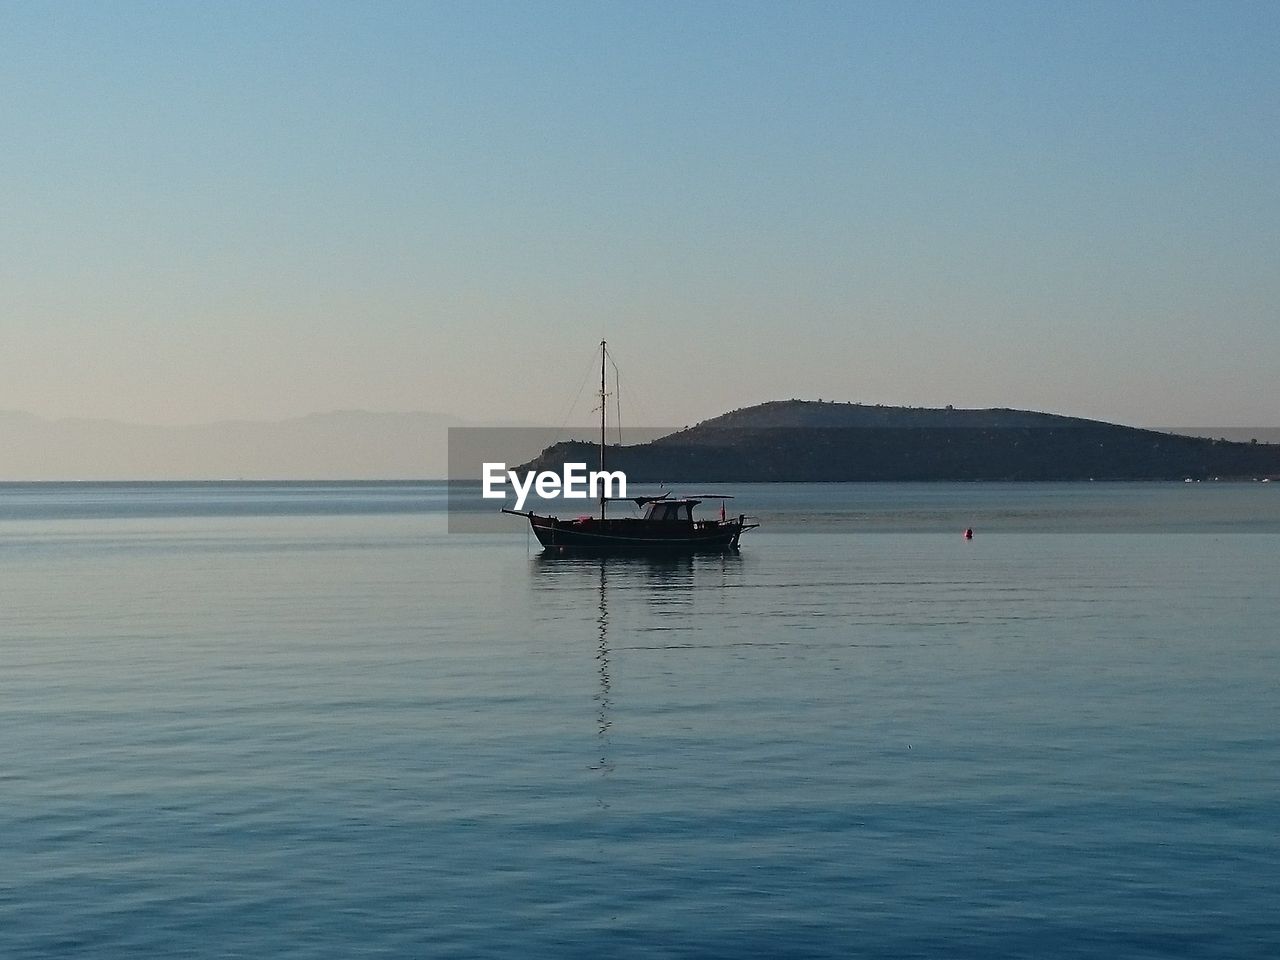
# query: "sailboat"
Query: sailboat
{"points": [[666, 524]]}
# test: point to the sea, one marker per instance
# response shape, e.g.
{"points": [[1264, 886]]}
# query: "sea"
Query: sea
{"points": [[305, 720]]}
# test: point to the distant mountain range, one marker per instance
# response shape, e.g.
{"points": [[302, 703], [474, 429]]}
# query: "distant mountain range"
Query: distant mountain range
{"points": [[344, 445], [806, 441], [783, 440]]}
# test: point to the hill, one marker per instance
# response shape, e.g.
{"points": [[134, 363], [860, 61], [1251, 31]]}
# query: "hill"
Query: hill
{"points": [[807, 441]]}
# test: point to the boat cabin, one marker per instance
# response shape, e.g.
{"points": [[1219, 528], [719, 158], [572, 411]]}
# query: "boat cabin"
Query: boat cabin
{"points": [[671, 510]]}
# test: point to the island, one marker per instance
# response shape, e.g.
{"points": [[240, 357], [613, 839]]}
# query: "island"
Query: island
{"points": [[805, 441]]}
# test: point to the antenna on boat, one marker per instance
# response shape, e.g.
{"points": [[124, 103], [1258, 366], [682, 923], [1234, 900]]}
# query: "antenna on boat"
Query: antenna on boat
{"points": [[603, 408]]}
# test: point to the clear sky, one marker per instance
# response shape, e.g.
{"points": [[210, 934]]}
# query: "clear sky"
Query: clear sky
{"points": [[260, 210]]}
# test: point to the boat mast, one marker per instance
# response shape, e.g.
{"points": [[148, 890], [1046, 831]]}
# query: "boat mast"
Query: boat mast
{"points": [[603, 406]]}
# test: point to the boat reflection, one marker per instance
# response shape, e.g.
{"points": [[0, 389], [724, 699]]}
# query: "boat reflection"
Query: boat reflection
{"points": [[640, 569], [660, 582]]}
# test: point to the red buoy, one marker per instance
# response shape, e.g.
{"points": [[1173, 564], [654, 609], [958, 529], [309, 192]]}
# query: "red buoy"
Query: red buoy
{"points": [[968, 533]]}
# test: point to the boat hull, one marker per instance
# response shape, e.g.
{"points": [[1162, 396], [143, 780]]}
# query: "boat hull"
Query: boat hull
{"points": [[633, 535]]}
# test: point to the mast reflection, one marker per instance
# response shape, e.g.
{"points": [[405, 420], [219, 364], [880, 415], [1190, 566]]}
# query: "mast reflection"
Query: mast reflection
{"points": [[603, 696]]}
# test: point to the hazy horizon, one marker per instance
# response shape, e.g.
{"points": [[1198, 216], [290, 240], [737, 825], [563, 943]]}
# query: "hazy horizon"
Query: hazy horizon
{"points": [[338, 445], [247, 212], [456, 419]]}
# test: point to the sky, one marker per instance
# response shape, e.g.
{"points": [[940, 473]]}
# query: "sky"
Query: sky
{"points": [[264, 210]]}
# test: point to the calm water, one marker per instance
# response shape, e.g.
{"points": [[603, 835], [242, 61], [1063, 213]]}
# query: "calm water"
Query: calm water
{"points": [[305, 721]]}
